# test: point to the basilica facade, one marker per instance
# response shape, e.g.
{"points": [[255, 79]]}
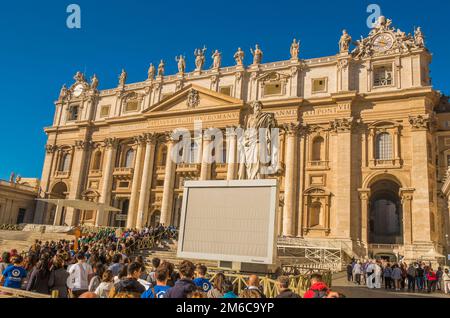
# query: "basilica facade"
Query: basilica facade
{"points": [[364, 143]]}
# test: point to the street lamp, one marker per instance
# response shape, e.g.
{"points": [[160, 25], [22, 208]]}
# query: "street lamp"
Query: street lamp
{"points": [[446, 249]]}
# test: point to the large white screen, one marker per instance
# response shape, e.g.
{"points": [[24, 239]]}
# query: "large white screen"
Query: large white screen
{"points": [[229, 221]]}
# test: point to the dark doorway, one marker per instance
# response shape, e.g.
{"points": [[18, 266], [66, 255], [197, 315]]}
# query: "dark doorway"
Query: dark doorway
{"points": [[21, 216], [385, 218]]}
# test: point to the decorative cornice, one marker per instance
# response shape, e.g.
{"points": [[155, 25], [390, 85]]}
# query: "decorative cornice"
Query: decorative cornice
{"points": [[342, 124]]}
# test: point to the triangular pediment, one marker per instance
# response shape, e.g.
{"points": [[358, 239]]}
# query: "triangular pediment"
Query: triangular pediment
{"points": [[193, 97]]}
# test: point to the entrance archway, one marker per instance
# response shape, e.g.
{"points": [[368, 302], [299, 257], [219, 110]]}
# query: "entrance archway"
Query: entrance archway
{"points": [[59, 191], [155, 218], [385, 213]]}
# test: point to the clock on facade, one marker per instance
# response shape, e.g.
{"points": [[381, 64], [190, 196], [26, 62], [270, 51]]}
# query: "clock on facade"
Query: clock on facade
{"points": [[78, 90], [383, 42]]}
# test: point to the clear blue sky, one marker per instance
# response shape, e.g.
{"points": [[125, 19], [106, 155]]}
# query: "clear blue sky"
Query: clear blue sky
{"points": [[39, 53]]}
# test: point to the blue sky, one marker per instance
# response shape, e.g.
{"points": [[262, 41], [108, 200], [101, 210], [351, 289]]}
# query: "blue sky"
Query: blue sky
{"points": [[39, 53]]}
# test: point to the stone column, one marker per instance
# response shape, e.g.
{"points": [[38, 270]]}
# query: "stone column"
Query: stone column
{"points": [[364, 195], [231, 151], [45, 183], [342, 130], [78, 174], [58, 214], [290, 181], [303, 133], [169, 180], [407, 196], [108, 168], [135, 186], [147, 175], [205, 170], [420, 178]]}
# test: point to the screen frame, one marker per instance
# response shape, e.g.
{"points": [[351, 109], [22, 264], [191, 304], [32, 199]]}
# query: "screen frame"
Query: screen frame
{"points": [[269, 259]]}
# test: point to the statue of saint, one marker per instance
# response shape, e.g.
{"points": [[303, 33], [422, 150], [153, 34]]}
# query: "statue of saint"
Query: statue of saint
{"points": [[257, 55], [250, 144], [94, 82], [181, 64], [199, 58], [18, 179], [239, 57], [419, 39], [217, 59], [295, 49], [123, 78], [151, 72], [11, 177], [63, 92], [161, 67], [79, 77], [344, 43]]}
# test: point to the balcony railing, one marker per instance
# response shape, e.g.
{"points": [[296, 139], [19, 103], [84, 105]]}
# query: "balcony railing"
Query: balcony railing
{"points": [[123, 171], [62, 174], [95, 173], [221, 167], [188, 167], [160, 169], [318, 164], [385, 163]]}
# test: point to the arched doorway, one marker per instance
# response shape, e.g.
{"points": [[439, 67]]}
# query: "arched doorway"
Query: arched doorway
{"points": [[385, 213]]}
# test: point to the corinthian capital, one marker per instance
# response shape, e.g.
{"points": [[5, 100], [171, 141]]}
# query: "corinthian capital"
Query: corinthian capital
{"points": [[342, 124], [50, 148], [420, 121], [150, 138], [111, 142], [81, 144]]}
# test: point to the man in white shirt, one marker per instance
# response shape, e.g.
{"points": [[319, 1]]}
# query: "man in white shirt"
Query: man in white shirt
{"points": [[79, 276]]}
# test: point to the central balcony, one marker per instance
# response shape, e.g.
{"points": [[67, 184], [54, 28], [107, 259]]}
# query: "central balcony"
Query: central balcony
{"points": [[123, 171], [318, 165], [188, 167]]}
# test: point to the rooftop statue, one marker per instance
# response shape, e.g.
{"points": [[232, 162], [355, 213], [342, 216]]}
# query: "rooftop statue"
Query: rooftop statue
{"points": [[151, 72], [181, 64], [217, 59], [199, 58], [295, 49], [257, 55], [239, 57], [123, 78], [94, 82], [344, 42], [161, 67]]}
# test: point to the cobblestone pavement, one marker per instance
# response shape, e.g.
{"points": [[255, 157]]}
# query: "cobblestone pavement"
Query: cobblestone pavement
{"points": [[350, 290]]}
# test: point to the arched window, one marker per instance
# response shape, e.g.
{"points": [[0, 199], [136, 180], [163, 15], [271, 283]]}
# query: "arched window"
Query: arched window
{"points": [[96, 165], [129, 158], [194, 152], [65, 162], [315, 214], [384, 147], [318, 149]]}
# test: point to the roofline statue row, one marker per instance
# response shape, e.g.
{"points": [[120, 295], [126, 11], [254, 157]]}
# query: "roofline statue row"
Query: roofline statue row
{"points": [[382, 39]]}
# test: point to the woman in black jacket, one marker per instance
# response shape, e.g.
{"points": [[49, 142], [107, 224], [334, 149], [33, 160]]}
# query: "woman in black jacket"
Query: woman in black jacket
{"points": [[39, 278]]}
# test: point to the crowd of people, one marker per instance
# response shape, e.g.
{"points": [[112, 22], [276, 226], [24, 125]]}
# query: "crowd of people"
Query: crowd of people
{"points": [[415, 277], [101, 265]]}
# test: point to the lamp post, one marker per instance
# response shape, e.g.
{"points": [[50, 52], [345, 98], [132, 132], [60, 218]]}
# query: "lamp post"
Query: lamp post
{"points": [[446, 249]]}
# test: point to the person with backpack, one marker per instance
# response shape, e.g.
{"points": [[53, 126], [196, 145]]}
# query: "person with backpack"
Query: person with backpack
{"points": [[411, 275], [283, 287], [129, 287], [160, 289], [184, 286], [319, 289], [201, 281], [80, 275]]}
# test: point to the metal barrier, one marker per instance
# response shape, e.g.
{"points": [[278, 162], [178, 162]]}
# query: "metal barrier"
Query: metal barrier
{"points": [[18, 293], [11, 227]]}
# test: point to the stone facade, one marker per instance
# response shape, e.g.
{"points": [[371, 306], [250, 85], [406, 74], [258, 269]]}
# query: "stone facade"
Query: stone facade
{"points": [[360, 131], [18, 201]]}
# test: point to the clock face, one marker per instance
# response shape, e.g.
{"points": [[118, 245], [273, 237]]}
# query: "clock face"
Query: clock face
{"points": [[78, 90], [383, 42]]}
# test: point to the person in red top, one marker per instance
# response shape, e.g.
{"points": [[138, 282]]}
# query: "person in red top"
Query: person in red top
{"points": [[319, 289], [432, 280]]}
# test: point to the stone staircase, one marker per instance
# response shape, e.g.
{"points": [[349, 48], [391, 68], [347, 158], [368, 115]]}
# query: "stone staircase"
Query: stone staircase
{"points": [[21, 240], [167, 251]]}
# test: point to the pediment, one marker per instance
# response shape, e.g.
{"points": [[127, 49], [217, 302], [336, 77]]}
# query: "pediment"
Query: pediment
{"points": [[192, 98]]}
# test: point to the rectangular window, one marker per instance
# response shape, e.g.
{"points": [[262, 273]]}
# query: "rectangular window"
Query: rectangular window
{"points": [[382, 76], [104, 111], [73, 113], [226, 90], [124, 184], [319, 85], [132, 106], [272, 89]]}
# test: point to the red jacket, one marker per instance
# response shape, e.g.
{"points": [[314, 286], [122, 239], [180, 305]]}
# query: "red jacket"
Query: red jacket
{"points": [[431, 276], [318, 290]]}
